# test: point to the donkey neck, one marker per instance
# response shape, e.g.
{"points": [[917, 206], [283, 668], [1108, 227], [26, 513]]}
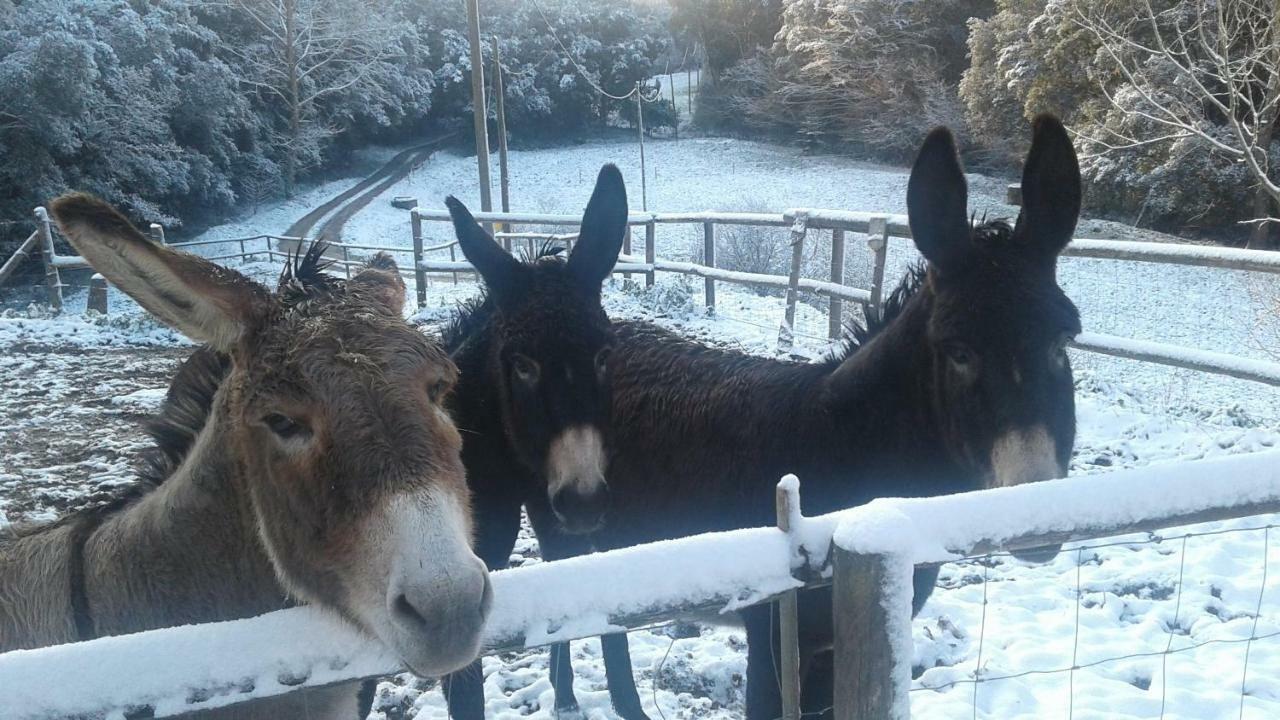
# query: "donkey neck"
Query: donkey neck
{"points": [[187, 552]]}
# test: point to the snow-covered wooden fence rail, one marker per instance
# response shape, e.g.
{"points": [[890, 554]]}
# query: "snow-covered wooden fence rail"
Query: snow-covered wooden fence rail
{"points": [[867, 553]]}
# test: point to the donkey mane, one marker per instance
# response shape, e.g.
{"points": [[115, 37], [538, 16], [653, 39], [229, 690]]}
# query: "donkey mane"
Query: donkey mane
{"points": [[989, 236], [472, 316], [303, 276]]}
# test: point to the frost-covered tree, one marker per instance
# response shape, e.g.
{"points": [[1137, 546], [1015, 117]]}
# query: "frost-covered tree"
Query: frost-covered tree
{"points": [[298, 53], [1091, 62], [875, 74], [1207, 70]]}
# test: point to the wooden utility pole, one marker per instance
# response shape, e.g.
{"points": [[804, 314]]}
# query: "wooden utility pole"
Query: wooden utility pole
{"points": [[478, 105], [644, 190], [498, 91]]}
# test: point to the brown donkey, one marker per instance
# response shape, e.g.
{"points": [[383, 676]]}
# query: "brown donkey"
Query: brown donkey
{"points": [[326, 472]]}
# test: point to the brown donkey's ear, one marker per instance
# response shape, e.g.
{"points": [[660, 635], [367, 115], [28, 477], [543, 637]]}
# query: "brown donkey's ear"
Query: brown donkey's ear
{"points": [[604, 226], [496, 266], [1050, 189], [938, 203], [380, 277], [204, 301]]}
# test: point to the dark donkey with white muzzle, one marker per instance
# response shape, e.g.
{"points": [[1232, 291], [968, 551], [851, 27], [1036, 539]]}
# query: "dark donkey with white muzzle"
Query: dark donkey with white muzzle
{"points": [[533, 399], [323, 470], [965, 385]]}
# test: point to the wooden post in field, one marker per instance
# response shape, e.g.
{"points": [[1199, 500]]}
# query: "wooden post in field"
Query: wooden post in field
{"points": [[786, 333], [626, 250], [346, 261], [644, 174], [863, 650], [835, 321], [419, 275], [52, 280], [157, 233], [788, 611], [688, 88], [453, 257], [878, 242], [98, 293], [709, 259], [674, 108], [1013, 194], [650, 252], [479, 112], [504, 180]]}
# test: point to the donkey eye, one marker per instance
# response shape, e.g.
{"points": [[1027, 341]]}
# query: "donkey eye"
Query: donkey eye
{"points": [[959, 354], [438, 390], [285, 427], [602, 361], [524, 369]]}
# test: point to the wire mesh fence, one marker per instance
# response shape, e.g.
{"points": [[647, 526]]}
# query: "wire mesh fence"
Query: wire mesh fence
{"points": [[1175, 624]]}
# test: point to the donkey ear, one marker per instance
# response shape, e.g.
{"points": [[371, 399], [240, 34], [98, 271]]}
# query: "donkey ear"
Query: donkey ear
{"points": [[938, 203], [381, 278], [204, 301], [1050, 188], [604, 225], [495, 265]]}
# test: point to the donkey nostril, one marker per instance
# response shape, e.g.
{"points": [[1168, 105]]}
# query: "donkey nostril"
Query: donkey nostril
{"points": [[486, 598], [405, 610]]}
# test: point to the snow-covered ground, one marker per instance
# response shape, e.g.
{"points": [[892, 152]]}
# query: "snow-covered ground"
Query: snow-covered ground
{"points": [[84, 382]]}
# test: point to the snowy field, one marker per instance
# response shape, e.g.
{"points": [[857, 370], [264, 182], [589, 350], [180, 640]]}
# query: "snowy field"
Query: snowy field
{"points": [[69, 429]]}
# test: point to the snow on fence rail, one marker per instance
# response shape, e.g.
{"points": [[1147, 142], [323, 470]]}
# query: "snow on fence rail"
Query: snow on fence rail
{"points": [[867, 553], [879, 228]]}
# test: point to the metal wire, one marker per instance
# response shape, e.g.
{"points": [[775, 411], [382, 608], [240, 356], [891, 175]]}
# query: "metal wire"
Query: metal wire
{"points": [[1164, 654], [1257, 613]]}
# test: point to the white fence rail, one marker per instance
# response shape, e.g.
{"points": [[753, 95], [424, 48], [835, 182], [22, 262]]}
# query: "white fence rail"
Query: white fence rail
{"points": [[875, 546]]}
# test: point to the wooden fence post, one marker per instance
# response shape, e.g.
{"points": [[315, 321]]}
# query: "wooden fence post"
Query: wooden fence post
{"points": [[52, 280], [98, 293], [626, 250], [709, 259], [419, 275], [835, 321], [157, 233], [787, 505], [786, 333], [863, 661], [650, 252], [1013, 194], [878, 242], [346, 261], [453, 257]]}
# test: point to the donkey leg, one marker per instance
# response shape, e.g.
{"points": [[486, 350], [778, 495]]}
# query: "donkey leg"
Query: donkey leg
{"points": [[620, 676], [562, 682], [764, 697], [923, 582], [818, 697], [464, 692]]}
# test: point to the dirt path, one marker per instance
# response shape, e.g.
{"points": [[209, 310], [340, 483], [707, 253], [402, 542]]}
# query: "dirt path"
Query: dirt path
{"points": [[358, 196]]}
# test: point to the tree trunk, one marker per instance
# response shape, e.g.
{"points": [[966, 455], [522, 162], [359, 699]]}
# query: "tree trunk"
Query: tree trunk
{"points": [[295, 112]]}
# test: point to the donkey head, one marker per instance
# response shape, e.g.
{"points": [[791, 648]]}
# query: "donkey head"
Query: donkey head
{"points": [[550, 352], [999, 324], [348, 468]]}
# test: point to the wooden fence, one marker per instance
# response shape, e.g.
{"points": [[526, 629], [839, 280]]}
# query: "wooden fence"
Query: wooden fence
{"points": [[866, 553], [802, 224]]}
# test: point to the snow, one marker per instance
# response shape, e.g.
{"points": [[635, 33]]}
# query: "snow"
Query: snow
{"points": [[69, 430]]}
